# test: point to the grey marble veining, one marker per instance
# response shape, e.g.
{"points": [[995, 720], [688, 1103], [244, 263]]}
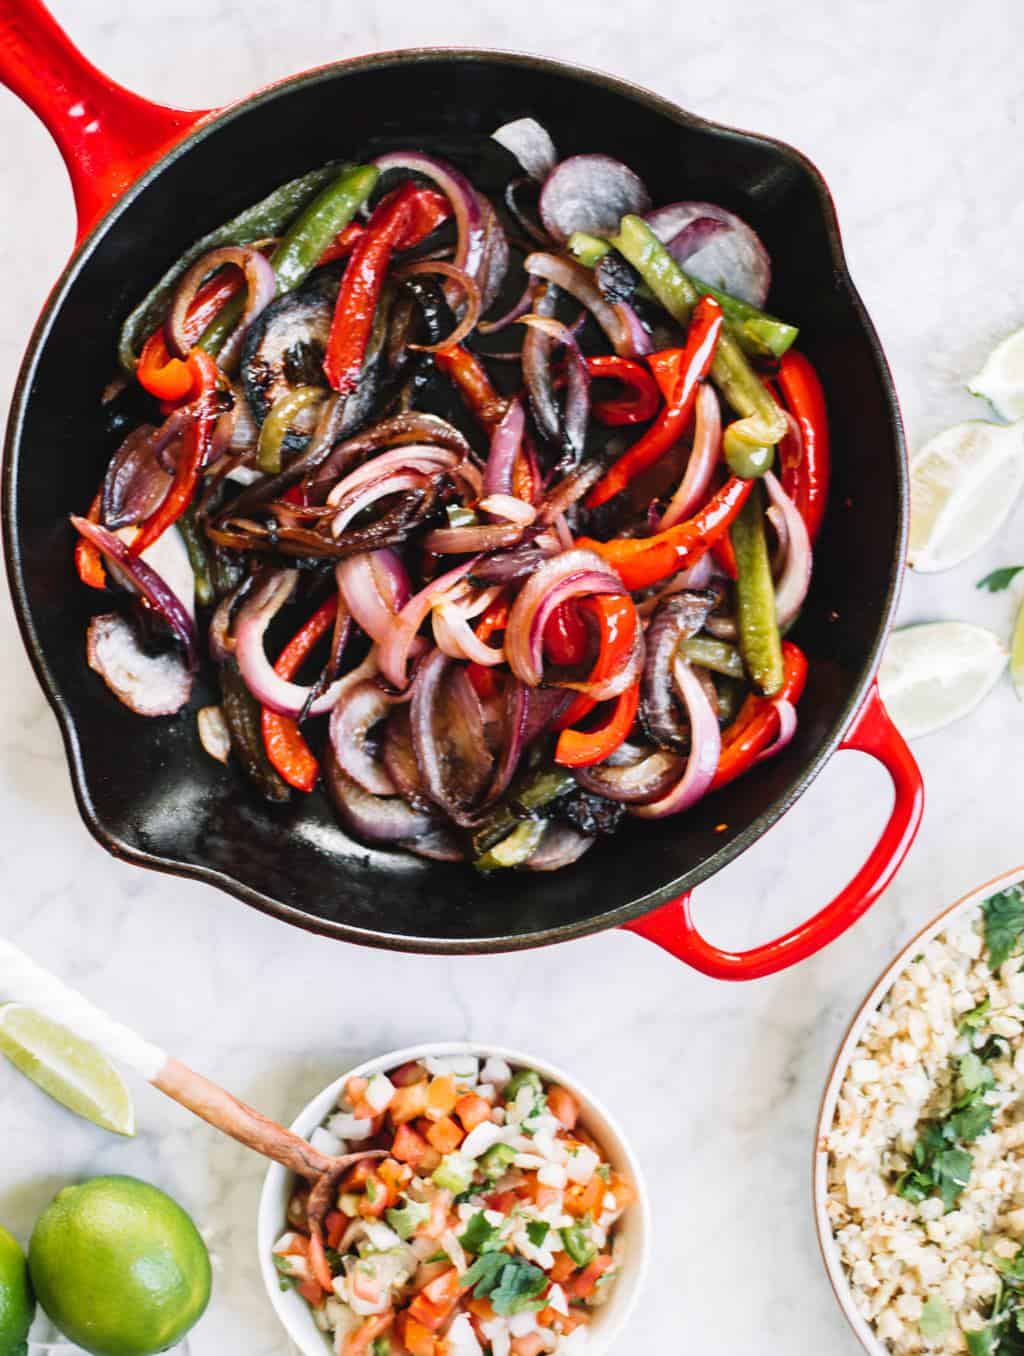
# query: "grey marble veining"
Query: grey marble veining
{"points": [[912, 111]]}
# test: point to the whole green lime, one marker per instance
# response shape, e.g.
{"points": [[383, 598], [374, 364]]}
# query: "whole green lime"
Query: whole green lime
{"points": [[119, 1267], [16, 1304]]}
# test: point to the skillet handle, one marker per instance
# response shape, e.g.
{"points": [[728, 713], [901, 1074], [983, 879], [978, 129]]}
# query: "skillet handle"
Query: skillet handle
{"points": [[106, 135], [672, 925]]}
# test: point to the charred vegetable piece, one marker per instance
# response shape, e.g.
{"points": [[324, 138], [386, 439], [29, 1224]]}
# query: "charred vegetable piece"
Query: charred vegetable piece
{"points": [[534, 794], [285, 347], [243, 715]]}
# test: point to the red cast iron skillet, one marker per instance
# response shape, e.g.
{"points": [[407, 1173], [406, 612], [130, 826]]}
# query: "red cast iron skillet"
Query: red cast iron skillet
{"points": [[147, 181]]}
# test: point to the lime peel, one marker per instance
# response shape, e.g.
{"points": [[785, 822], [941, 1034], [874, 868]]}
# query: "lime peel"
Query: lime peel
{"points": [[1001, 379], [934, 674], [67, 1068], [1017, 655]]}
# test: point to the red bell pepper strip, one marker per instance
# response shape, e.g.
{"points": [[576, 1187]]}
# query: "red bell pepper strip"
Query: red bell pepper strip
{"points": [[166, 377], [642, 561], [636, 408], [725, 556], [467, 372], [617, 622], [361, 288], [806, 482], [427, 209], [757, 723], [88, 559], [495, 618], [678, 372], [287, 750], [581, 748], [194, 451], [566, 636], [343, 243]]}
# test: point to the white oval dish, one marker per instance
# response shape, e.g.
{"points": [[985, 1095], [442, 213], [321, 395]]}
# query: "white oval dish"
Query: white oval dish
{"points": [[609, 1320], [826, 1241]]}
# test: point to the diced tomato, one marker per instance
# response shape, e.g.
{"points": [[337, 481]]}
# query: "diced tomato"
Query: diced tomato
{"points": [[358, 1175], [441, 1097], [394, 1175], [575, 1318], [623, 1191], [377, 1198], [563, 1106], [359, 1342], [409, 1147], [408, 1103], [534, 1190], [472, 1111], [582, 1286], [298, 1247], [312, 1293], [318, 1263], [436, 1300], [563, 1268], [435, 1226], [445, 1135], [430, 1161], [580, 1201], [482, 1309], [530, 1345], [415, 1338], [502, 1201], [335, 1225], [355, 1089]]}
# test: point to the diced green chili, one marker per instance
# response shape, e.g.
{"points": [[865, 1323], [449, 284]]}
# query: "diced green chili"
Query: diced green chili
{"points": [[760, 643], [279, 420], [761, 424], [525, 1078], [515, 849], [497, 1160], [304, 242], [578, 1245], [268, 217]]}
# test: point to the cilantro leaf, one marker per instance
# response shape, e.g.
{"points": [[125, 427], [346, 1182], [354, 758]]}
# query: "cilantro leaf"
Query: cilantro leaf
{"points": [[1012, 1269], [935, 1317], [537, 1231], [971, 1021], [381, 1347], [1004, 923], [480, 1236], [952, 1171], [983, 1341], [512, 1284], [971, 1122], [974, 1075], [1000, 579]]}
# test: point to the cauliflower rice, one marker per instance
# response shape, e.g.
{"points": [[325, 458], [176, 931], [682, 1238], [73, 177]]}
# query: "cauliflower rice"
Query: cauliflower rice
{"points": [[928, 1278]]}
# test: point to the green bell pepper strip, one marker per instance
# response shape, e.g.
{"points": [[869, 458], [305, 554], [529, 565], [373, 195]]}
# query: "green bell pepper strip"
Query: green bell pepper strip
{"points": [[528, 796], [761, 423], [198, 555], [760, 642], [716, 655], [514, 850], [279, 420], [303, 243], [268, 217], [758, 333], [242, 714]]}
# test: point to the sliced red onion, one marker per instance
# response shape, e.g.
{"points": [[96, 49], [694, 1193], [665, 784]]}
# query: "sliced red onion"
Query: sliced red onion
{"points": [[506, 441], [470, 218], [448, 735], [705, 748], [521, 307], [787, 729], [426, 432], [733, 258], [795, 578], [675, 621], [260, 282], [515, 708], [590, 193], [561, 846], [722, 626], [358, 710], [400, 758], [140, 576], [214, 734], [351, 505], [515, 564], [699, 576], [375, 587], [221, 639], [632, 775], [398, 642], [573, 574], [531, 145], [169, 557], [136, 484], [570, 489], [533, 229], [577, 395], [460, 541], [439, 845], [427, 460], [510, 508], [579, 282], [374, 819], [149, 685], [704, 458], [496, 256], [536, 363], [457, 639], [562, 531], [697, 233], [268, 687], [543, 707], [471, 294]]}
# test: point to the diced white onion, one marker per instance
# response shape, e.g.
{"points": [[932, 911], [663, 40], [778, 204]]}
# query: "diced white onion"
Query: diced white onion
{"points": [[552, 1175], [379, 1092], [521, 1324], [484, 1137], [462, 1340], [347, 1126], [326, 1142], [529, 1161], [496, 1071], [381, 1236], [557, 1300], [284, 1242], [582, 1165], [466, 1068]]}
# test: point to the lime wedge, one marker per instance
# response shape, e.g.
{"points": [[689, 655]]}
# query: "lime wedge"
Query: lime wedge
{"points": [[1017, 655], [963, 484], [68, 1069], [934, 674], [1001, 380]]}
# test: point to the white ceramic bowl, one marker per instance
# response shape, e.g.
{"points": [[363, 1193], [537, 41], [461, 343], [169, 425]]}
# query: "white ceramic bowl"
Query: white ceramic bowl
{"points": [[609, 1321], [829, 1248]]}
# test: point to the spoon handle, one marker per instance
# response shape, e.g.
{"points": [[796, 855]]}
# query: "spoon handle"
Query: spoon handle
{"points": [[23, 981]]}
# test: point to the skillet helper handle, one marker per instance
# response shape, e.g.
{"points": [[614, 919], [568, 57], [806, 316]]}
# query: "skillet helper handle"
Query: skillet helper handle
{"points": [[107, 135], [672, 925], [23, 981]]}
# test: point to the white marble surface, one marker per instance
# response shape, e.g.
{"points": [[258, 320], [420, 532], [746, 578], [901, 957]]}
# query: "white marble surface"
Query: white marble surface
{"points": [[915, 120]]}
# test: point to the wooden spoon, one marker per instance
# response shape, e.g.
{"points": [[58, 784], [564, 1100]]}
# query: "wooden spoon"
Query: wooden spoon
{"points": [[23, 981]]}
